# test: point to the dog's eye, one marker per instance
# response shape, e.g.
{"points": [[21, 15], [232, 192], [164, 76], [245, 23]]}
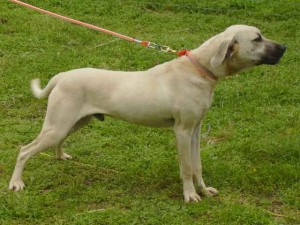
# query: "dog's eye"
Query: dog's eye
{"points": [[258, 39]]}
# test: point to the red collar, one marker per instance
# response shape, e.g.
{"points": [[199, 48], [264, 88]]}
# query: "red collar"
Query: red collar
{"points": [[200, 68]]}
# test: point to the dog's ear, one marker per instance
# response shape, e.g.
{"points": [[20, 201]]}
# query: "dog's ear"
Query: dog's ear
{"points": [[225, 50]]}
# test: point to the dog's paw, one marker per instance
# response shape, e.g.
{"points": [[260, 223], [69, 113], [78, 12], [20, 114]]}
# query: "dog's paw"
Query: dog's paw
{"points": [[191, 196], [64, 156], [209, 191], [16, 185]]}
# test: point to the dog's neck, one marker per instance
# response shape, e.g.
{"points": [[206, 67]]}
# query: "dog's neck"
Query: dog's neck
{"points": [[205, 52], [202, 70]]}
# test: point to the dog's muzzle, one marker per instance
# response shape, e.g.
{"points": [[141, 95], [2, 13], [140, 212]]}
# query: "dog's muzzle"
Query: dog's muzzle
{"points": [[274, 52]]}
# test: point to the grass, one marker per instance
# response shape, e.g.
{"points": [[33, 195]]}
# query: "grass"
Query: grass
{"points": [[126, 174]]}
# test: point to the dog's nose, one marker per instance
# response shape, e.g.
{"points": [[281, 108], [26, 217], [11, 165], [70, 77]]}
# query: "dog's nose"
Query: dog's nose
{"points": [[279, 50], [283, 48]]}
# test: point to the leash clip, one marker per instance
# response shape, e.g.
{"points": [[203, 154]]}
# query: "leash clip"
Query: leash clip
{"points": [[164, 48], [161, 48]]}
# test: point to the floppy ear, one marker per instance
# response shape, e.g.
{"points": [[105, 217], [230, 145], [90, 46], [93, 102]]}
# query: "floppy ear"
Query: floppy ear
{"points": [[225, 50]]}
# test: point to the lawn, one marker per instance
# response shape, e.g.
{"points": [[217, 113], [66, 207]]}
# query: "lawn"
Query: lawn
{"points": [[127, 174]]}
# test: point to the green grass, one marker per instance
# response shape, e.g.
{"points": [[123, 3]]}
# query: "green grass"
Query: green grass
{"points": [[126, 174]]}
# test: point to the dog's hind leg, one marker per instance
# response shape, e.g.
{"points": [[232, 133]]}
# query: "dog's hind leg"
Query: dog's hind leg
{"points": [[58, 124], [60, 153], [46, 139]]}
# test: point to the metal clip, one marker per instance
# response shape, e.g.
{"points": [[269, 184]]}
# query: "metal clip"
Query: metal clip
{"points": [[162, 48], [153, 45]]}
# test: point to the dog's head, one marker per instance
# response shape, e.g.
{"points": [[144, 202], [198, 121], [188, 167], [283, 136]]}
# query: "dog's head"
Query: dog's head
{"points": [[242, 46]]}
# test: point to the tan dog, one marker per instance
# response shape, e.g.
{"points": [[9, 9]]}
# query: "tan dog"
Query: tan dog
{"points": [[174, 94]]}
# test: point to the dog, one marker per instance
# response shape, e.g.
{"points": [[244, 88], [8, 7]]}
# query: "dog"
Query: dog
{"points": [[174, 94]]}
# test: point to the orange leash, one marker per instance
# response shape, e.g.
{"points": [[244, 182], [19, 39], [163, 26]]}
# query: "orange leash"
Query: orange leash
{"points": [[148, 44], [201, 69]]}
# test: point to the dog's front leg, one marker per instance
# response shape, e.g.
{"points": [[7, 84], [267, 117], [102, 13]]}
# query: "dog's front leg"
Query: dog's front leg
{"points": [[197, 165], [183, 139]]}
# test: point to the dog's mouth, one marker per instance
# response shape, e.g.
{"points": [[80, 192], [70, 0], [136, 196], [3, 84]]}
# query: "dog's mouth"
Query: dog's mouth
{"points": [[273, 54], [270, 61]]}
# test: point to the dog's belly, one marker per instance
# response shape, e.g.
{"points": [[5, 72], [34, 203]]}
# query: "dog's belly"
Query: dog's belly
{"points": [[149, 122], [151, 115], [144, 113]]}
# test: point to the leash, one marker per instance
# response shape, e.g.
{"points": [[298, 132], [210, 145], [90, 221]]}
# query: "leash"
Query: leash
{"points": [[163, 48], [148, 44]]}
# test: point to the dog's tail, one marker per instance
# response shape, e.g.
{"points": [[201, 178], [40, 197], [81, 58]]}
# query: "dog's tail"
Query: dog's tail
{"points": [[38, 92]]}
